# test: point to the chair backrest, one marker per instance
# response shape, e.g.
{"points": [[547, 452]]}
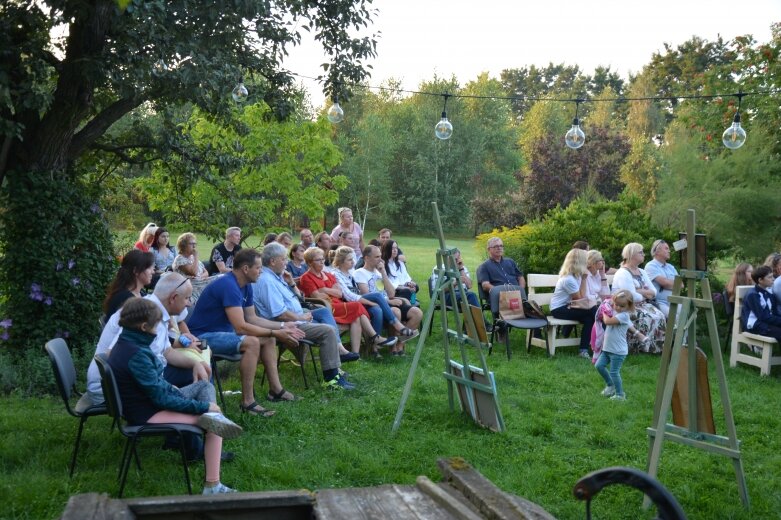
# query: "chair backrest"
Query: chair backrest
{"points": [[535, 282], [741, 291], [497, 289], [64, 371], [110, 389]]}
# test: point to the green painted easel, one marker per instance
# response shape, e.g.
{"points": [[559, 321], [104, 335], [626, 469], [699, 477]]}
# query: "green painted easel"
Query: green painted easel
{"points": [[686, 308], [475, 384]]}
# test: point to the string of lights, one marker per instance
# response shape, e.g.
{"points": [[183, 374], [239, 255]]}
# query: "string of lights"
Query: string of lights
{"points": [[733, 137]]}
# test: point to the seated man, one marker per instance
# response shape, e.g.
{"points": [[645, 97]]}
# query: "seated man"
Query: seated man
{"points": [[274, 299], [466, 281], [661, 273], [498, 270], [225, 317], [306, 238], [366, 278], [222, 254], [171, 295]]}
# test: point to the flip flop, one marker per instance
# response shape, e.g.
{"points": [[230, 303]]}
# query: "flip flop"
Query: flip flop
{"points": [[256, 409], [282, 395]]}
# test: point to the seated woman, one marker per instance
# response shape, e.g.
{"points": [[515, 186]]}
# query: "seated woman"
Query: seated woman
{"points": [[146, 237], [397, 272], [134, 274], [597, 287], [571, 288], [761, 314], [164, 255], [187, 263], [296, 266], [317, 283], [741, 276], [376, 303], [147, 398], [649, 320]]}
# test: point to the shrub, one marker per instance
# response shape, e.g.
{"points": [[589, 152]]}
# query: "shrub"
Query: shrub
{"points": [[540, 246]]}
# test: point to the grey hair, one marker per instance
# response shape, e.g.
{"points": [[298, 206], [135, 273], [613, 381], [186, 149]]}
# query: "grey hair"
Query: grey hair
{"points": [[492, 241], [231, 230], [168, 283], [271, 251]]}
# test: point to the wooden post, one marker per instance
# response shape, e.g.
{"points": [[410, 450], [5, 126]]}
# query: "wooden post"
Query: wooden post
{"points": [[681, 322]]}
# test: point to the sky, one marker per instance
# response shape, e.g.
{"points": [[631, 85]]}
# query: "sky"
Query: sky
{"points": [[421, 38]]}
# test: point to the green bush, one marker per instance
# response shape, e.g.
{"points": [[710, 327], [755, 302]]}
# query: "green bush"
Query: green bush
{"points": [[541, 245], [57, 262]]}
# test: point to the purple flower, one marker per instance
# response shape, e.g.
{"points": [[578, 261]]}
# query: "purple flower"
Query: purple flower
{"points": [[59, 267], [34, 287], [6, 323], [95, 207], [71, 263], [4, 336], [66, 334], [48, 300], [717, 298], [75, 280], [36, 296]]}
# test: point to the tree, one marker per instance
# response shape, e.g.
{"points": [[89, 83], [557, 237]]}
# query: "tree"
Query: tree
{"points": [[58, 98]]}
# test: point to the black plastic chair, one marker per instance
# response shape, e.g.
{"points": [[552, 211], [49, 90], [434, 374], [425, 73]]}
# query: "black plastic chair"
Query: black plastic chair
{"points": [[590, 485], [132, 433], [65, 375], [527, 324], [234, 358], [304, 346]]}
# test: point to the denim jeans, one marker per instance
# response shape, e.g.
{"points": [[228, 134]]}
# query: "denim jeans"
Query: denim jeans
{"points": [[612, 378], [326, 317], [379, 313]]}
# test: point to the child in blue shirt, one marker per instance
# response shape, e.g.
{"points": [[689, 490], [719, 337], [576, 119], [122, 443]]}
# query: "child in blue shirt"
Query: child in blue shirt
{"points": [[615, 347]]}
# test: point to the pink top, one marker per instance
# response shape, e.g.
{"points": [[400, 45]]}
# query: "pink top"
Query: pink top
{"points": [[355, 230]]}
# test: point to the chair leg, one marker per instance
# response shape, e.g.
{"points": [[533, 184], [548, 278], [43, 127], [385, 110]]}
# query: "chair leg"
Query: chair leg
{"points": [[131, 444], [82, 420], [314, 363], [184, 462], [507, 343], [551, 341], [216, 377]]}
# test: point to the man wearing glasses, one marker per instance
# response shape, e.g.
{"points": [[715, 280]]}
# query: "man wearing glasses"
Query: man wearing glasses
{"points": [[498, 270], [661, 273]]}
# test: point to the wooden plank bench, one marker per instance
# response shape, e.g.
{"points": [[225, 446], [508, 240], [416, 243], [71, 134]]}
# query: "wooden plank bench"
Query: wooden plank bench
{"points": [[536, 282], [750, 341]]}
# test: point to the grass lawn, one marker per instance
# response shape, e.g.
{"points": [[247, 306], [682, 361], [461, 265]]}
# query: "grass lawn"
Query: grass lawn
{"points": [[558, 429]]}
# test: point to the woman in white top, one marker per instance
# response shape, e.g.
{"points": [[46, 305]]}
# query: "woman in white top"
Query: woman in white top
{"points": [[597, 287], [570, 287], [648, 319], [397, 271]]}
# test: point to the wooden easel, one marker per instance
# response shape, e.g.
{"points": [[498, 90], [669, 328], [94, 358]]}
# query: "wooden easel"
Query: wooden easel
{"points": [[686, 309], [475, 384]]}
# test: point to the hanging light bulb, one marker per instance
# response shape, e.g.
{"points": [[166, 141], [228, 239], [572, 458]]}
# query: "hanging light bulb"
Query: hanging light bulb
{"points": [[159, 68], [734, 136], [335, 113], [574, 138], [240, 92], [444, 129]]}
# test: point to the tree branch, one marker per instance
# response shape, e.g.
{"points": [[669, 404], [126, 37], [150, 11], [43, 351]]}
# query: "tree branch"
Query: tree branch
{"points": [[119, 151], [100, 124]]}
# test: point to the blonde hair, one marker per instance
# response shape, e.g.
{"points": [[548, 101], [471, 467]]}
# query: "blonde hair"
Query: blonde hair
{"points": [[626, 299], [182, 241], [631, 249], [311, 253], [574, 263], [342, 210], [593, 256], [341, 255], [149, 229]]}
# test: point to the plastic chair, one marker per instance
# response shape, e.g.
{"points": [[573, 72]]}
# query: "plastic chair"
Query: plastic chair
{"points": [[132, 433], [527, 324], [300, 354], [234, 358], [65, 375]]}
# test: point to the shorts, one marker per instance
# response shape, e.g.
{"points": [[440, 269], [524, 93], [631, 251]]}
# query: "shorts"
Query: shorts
{"points": [[226, 343]]}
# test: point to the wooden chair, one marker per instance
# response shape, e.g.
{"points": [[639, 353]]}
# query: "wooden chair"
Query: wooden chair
{"points": [[765, 344], [65, 375]]}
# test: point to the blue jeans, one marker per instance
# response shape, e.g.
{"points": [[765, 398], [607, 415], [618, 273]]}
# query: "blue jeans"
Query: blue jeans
{"points": [[379, 313], [612, 378], [325, 316], [470, 297], [222, 342]]}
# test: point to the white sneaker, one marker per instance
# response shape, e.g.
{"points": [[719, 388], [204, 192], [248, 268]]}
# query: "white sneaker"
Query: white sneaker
{"points": [[218, 489], [618, 397], [584, 354], [218, 424], [609, 391]]}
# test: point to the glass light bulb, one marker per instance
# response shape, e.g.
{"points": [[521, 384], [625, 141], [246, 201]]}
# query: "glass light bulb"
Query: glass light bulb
{"points": [[240, 93], [574, 138], [734, 136], [335, 114], [444, 129], [159, 68]]}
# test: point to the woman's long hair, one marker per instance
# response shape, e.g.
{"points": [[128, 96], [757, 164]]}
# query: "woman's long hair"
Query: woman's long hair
{"points": [[134, 262], [574, 263], [387, 252]]}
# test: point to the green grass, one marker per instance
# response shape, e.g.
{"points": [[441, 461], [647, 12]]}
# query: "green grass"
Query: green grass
{"points": [[558, 429]]}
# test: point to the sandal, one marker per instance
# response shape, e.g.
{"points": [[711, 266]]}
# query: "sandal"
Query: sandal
{"points": [[408, 332], [256, 409], [282, 395], [387, 342]]}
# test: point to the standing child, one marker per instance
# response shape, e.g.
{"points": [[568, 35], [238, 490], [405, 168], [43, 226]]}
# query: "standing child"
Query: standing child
{"points": [[147, 398], [615, 347]]}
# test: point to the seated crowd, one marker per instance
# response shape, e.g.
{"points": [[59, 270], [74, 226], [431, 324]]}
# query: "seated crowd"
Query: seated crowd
{"points": [[253, 304]]}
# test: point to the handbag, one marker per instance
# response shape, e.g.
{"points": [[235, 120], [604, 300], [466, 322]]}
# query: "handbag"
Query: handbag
{"points": [[511, 305], [582, 303], [532, 309]]}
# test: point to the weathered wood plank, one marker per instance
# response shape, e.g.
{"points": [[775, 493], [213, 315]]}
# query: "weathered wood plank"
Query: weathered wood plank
{"points": [[96, 506]]}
